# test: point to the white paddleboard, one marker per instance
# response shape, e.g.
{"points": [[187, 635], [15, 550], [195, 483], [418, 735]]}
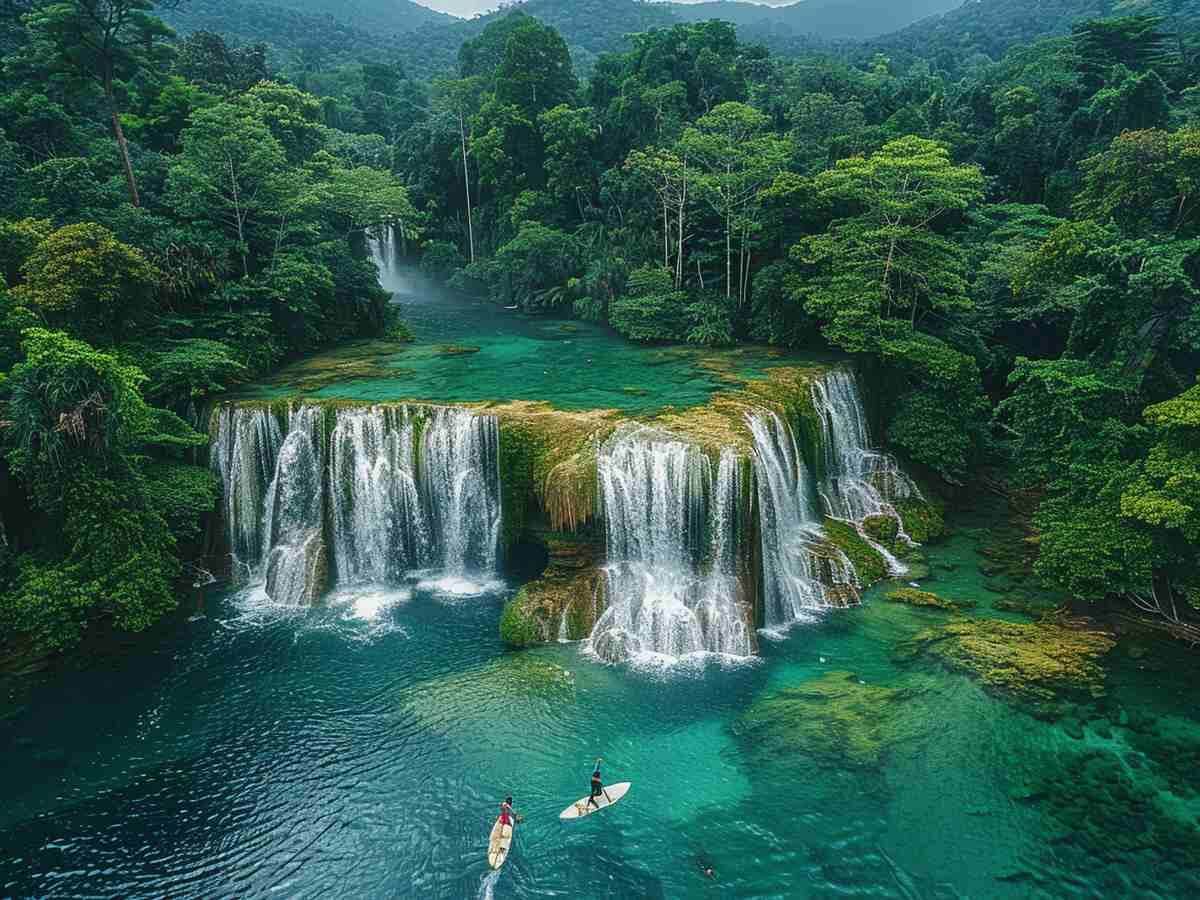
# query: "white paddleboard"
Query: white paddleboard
{"points": [[500, 843], [612, 793]]}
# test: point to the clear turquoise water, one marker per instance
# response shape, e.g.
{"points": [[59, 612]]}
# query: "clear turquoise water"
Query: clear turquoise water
{"points": [[514, 356], [360, 750]]}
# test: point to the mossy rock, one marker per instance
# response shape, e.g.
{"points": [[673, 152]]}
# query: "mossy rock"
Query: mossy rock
{"points": [[1038, 663], [869, 565], [883, 529], [548, 464], [925, 599], [454, 350], [836, 719], [923, 520], [536, 614]]}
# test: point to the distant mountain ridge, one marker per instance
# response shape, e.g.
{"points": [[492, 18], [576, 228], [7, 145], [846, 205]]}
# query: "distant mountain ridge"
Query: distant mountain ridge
{"points": [[427, 41], [992, 26], [829, 19]]}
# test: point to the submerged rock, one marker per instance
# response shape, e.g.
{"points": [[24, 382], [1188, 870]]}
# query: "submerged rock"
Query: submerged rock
{"points": [[913, 597], [836, 719], [1037, 663]]}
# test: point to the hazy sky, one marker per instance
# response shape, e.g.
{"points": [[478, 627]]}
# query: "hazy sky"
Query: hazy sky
{"points": [[471, 7]]}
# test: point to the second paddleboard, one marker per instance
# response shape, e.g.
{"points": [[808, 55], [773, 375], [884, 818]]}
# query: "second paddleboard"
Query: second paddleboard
{"points": [[612, 794]]}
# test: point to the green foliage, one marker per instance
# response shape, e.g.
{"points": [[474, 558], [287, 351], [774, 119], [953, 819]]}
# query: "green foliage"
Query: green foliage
{"points": [[81, 276], [651, 310], [18, 240], [192, 369], [182, 494], [441, 259], [536, 262], [69, 402], [117, 565], [886, 259]]}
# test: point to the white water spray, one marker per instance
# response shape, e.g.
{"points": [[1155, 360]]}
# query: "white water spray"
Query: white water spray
{"points": [[802, 571], [407, 489], [857, 482], [662, 604]]}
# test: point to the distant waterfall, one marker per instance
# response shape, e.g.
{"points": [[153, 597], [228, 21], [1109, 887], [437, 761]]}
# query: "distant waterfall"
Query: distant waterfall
{"points": [[357, 496], [802, 571], [658, 496], [386, 256], [858, 482]]}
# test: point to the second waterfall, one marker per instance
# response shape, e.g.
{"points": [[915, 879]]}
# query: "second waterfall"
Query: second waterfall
{"points": [[672, 533]]}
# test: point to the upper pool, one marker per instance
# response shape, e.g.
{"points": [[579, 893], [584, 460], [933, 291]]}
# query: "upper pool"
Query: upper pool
{"points": [[470, 351]]}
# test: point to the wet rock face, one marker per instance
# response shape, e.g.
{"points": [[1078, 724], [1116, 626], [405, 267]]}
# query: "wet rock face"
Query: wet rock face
{"points": [[837, 719], [563, 604], [1036, 664]]}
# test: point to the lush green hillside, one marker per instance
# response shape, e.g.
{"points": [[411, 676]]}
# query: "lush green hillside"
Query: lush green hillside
{"points": [[830, 19], [287, 32], [992, 26], [388, 16]]}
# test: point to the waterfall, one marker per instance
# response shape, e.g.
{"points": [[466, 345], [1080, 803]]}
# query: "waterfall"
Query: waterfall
{"points": [[657, 493], [461, 479], [389, 492], [858, 482], [802, 571], [244, 449], [295, 513], [379, 527], [386, 256]]}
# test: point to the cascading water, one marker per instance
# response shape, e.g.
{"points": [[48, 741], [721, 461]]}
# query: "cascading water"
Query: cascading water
{"points": [[244, 450], [407, 489], [460, 462], [858, 482], [379, 527], [802, 571], [388, 261], [656, 494], [295, 513]]}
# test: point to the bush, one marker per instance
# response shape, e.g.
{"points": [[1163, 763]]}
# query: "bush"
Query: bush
{"points": [[712, 320], [651, 310]]}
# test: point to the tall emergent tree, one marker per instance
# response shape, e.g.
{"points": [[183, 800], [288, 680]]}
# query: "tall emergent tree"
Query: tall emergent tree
{"points": [[104, 41]]}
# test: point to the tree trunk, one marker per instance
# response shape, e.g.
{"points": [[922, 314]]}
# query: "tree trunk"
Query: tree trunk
{"points": [[121, 143], [462, 132], [728, 256], [666, 233], [682, 210]]}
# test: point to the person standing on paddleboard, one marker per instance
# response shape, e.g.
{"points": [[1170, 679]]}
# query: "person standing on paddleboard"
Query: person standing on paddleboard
{"points": [[506, 811], [597, 786]]}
